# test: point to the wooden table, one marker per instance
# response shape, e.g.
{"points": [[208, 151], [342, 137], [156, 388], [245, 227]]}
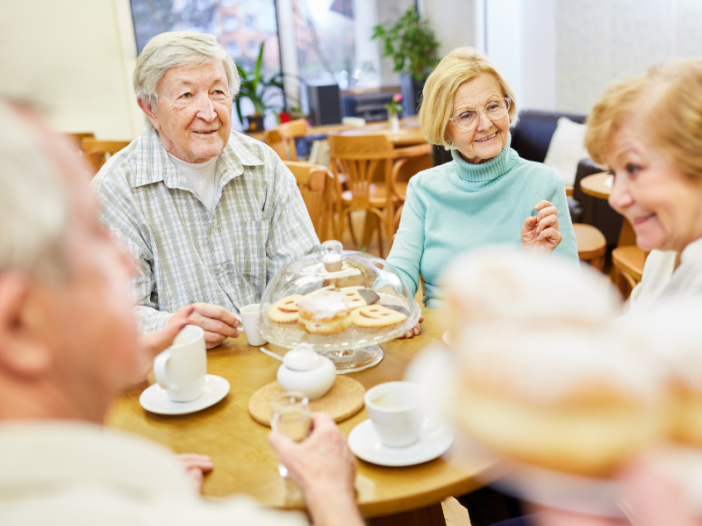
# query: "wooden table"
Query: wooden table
{"points": [[245, 463], [410, 133], [596, 185]]}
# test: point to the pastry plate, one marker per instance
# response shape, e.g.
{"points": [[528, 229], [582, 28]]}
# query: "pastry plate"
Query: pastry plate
{"points": [[365, 443], [155, 399]]}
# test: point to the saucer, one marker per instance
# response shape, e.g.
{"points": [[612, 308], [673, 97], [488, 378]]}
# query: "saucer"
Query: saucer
{"points": [[155, 399], [365, 443]]}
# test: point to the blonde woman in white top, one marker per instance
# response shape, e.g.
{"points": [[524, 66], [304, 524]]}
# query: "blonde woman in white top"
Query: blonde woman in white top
{"points": [[648, 132]]}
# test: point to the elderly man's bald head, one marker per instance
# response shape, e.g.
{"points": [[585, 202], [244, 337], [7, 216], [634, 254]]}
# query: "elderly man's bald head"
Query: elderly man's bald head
{"points": [[33, 205], [68, 338]]}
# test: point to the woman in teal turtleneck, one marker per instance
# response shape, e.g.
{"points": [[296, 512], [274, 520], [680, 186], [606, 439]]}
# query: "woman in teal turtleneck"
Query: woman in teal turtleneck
{"points": [[484, 195]]}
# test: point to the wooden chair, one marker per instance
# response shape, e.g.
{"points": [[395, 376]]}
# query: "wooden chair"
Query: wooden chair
{"points": [[282, 139], [316, 185], [355, 159], [97, 152], [78, 138], [592, 245], [627, 268]]}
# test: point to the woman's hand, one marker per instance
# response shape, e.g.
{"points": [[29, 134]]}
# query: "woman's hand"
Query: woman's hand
{"points": [[541, 231], [414, 331]]}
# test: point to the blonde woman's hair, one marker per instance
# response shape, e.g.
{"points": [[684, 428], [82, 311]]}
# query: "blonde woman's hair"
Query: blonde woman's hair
{"points": [[179, 48], [456, 68], [668, 100]]}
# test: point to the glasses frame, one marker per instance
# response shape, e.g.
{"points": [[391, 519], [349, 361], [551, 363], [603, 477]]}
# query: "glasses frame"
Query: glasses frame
{"points": [[480, 112]]}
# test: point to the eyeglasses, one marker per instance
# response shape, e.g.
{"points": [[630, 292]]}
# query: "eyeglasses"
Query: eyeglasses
{"points": [[495, 110]]}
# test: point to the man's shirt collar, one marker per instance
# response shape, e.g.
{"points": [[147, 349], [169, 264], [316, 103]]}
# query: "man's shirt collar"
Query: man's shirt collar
{"points": [[158, 167]]}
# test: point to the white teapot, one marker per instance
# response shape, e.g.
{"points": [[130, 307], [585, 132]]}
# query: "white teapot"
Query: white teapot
{"points": [[306, 371]]}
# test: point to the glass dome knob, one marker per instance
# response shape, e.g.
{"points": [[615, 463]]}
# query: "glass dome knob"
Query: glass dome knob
{"points": [[332, 256]]}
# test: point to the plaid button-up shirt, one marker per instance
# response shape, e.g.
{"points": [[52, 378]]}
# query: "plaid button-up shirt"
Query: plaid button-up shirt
{"points": [[187, 255]]}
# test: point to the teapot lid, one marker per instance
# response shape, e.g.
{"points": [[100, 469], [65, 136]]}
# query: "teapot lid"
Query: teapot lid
{"points": [[302, 358]]}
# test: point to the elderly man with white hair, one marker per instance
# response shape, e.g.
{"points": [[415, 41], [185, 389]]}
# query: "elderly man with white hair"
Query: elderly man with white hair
{"points": [[69, 344], [211, 215]]}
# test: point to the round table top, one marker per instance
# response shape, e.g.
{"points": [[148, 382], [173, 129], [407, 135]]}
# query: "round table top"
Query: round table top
{"points": [[597, 185], [245, 463], [409, 133]]}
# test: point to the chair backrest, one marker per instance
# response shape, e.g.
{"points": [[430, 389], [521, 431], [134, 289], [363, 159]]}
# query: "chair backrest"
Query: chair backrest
{"points": [[282, 139], [98, 152], [315, 184], [358, 157], [79, 136]]}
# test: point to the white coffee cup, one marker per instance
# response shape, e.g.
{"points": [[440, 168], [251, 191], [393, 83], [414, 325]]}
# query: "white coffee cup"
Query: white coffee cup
{"points": [[181, 369], [249, 318], [396, 410]]}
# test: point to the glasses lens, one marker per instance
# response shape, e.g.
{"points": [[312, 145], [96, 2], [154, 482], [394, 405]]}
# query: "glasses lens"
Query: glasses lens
{"points": [[497, 109], [465, 119], [494, 110]]}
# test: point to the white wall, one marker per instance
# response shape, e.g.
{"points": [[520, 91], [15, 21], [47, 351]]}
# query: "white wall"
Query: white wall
{"points": [[76, 58], [452, 22], [521, 40], [539, 55], [604, 41], [504, 42]]}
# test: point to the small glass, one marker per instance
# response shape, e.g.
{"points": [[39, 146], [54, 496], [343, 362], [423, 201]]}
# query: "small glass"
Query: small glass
{"points": [[290, 415]]}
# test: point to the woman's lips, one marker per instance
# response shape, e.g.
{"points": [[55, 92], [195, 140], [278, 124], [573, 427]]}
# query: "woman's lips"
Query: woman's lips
{"points": [[488, 138], [640, 220]]}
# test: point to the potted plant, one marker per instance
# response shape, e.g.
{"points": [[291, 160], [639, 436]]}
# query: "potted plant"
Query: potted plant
{"points": [[411, 45], [259, 90]]}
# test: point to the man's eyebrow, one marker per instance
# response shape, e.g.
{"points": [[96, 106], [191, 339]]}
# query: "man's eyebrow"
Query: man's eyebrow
{"points": [[189, 83]]}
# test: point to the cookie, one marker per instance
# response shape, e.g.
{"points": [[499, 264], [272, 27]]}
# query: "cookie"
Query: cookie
{"points": [[376, 317], [285, 310], [288, 303], [354, 298], [279, 316]]}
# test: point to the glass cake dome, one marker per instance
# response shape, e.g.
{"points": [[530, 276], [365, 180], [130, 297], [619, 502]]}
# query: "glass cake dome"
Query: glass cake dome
{"points": [[342, 303]]}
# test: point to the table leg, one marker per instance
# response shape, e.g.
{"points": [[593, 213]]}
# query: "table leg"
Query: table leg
{"points": [[430, 516], [627, 236]]}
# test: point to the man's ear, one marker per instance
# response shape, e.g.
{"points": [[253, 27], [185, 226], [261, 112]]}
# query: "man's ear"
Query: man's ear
{"points": [[148, 111], [23, 351]]}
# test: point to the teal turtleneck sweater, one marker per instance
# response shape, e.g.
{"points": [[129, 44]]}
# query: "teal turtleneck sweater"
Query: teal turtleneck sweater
{"points": [[457, 207]]}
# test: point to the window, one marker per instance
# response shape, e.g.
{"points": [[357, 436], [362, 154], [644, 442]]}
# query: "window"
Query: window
{"points": [[223, 18], [231, 23], [325, 35], [209, 16], [234, 50]]}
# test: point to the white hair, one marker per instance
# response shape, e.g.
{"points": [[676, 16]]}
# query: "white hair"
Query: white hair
{"points": [[33, 204], [175, 49]]}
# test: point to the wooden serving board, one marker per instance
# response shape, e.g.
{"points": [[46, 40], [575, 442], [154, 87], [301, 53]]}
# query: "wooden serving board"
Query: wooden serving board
{"points": [[343, 400]]}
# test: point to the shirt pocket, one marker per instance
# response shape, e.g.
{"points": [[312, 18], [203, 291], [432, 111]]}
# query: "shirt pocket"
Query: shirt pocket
{"points": [[249, 245]]}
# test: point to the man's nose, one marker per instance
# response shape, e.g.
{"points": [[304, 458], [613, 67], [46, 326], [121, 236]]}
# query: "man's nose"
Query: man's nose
{"points": [[620, 198], [205, 110]]}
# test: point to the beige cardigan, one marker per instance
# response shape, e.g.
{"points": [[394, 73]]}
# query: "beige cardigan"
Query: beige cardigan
{"points": [[661, 280]]}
